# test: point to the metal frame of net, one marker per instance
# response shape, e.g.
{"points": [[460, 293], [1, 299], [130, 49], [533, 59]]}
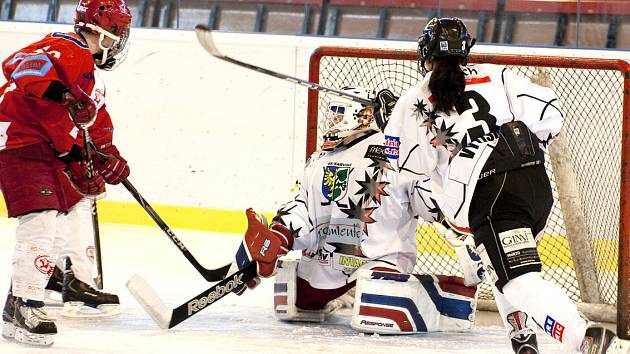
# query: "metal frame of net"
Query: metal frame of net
{"points": [[591, 94]]}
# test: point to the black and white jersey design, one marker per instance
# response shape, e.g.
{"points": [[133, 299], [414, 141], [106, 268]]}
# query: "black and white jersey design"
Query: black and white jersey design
{"points": [[352, 207], [451, 149]]}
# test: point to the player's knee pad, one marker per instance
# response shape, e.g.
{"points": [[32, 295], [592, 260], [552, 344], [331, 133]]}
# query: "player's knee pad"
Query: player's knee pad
{"points": [[509, 254], [285, 295], [394, 303]]}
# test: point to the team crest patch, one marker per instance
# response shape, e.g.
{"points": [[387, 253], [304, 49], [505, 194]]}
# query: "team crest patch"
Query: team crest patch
{"points": [[335, 181]]}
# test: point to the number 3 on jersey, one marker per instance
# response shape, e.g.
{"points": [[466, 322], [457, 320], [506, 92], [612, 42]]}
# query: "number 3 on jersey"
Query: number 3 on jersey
{"points": [[472, 100]]}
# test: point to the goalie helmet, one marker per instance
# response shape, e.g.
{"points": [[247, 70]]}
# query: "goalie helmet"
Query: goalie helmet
{"points": [[346, 117], [444, 37], [106, 18]]}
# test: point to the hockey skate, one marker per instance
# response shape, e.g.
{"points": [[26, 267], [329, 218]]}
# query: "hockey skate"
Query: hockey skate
{"points": [[32, 324], [8, 314], [80, 300], [53, 289], [524, 342], [597, 340], [523, 338]]}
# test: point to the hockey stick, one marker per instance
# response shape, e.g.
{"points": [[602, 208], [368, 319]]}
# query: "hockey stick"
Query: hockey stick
{"points": [[210, 275], [165, 317], [97, 247], [204, 35], [89, 145]]}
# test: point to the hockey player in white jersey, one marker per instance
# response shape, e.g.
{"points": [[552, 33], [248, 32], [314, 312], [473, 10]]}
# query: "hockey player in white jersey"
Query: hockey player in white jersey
{"points": [[478, 132], [355, 220]]}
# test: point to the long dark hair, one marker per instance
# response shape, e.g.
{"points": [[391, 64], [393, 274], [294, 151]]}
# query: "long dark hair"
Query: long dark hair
{"points": [[447, 82]]}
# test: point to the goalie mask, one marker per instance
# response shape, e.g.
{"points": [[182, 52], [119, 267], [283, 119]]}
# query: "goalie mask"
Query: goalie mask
{"points": [[444, 37], [108, 19], [346, 117]]}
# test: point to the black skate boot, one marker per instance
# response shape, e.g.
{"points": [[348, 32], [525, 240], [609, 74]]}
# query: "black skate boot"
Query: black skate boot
{"points": [[523, 338], [8, 314], [597, 340], [55, 282], [77, 295], [32, 324]]}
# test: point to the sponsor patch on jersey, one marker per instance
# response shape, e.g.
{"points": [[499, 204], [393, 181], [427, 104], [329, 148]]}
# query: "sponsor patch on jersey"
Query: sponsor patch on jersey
{"points": [[392, 146], [347, 263], [375, 152], [335, 181], [554, 328], [33, 65], [443, 45], [46, 192], [340, 230]]}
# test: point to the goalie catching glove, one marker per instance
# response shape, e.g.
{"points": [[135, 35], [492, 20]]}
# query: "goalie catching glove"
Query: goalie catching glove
{"points": [[383, 106], [263, 245]]}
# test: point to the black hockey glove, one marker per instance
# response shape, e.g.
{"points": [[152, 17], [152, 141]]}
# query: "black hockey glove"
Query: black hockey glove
{"points": [[383, 106]]}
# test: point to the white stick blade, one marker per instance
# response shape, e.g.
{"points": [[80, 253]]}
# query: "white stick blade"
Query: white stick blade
{"points": [[204, 36], [148, 298]]}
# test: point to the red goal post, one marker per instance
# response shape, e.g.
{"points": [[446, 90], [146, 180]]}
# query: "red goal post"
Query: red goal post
{"points": [[586, 246]]}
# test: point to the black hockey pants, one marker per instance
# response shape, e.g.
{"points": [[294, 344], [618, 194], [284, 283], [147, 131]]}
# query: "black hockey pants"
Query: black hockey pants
{"points": [[510, 200]]}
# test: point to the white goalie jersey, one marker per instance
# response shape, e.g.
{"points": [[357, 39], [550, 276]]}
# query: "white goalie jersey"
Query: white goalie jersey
{"points": [[351, 208], [451, 149]]}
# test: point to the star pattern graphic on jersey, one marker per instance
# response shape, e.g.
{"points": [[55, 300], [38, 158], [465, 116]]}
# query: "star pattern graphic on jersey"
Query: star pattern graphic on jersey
{"points": [[381, 165], [420, 108], [283, 211], [429, 121], [372, 188], [443, 136], [361, 212], [295, 232]]}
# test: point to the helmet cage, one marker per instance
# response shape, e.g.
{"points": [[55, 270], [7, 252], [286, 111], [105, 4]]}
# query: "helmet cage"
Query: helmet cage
{"points": [[345, 117]]}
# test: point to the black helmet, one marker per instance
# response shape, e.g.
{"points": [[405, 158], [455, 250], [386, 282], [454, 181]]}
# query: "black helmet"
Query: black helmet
{"points": [[443, 37]]}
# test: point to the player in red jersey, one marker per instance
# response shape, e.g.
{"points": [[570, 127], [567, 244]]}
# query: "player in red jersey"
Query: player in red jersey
{"points": [[51, 96]]}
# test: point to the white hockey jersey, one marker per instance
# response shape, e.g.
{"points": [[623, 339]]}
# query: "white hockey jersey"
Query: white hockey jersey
{"points": [[350, 208], [451, 149]]}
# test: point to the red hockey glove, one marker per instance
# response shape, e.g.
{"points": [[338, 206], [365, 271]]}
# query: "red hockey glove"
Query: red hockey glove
{"points": [[81, 107], [262, 245], [77, 171], [113, 167]]}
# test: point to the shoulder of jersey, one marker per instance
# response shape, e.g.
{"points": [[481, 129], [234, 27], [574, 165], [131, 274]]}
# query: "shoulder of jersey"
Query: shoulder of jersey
{"points": [[71, 42]]}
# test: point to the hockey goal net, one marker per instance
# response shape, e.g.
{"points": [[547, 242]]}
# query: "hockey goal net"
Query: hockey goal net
{"points": [[581, 248]]}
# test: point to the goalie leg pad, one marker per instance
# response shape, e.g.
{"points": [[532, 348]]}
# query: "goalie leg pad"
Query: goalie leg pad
{"points": [[296, 300], [394, 303]]}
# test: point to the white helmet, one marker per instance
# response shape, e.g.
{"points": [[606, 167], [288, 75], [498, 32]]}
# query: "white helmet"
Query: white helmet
{"points": [[346, 117]]}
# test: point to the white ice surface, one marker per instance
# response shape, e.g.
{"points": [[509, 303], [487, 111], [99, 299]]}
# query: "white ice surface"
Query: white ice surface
{"points": [[233, 325]]}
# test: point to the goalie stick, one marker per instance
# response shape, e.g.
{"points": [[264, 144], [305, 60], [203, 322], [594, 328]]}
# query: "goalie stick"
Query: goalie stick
{"points": [[167, 318], [204, 35], [210, 275]]}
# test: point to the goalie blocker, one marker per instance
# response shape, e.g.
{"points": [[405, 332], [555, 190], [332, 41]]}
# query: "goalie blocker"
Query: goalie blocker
{"points": [[387, 302]]}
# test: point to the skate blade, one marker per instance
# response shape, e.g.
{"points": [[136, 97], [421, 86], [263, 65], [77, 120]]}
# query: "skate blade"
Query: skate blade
{"points": [[8, 330], [39, 340], [53, 299], [77, 310]]}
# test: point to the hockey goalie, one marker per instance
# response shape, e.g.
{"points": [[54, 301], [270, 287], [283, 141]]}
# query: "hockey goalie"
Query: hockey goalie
{"points": [[355, 222]]}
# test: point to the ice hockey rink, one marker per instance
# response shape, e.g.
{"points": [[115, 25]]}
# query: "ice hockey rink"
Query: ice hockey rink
{"points": [[234, 324]]}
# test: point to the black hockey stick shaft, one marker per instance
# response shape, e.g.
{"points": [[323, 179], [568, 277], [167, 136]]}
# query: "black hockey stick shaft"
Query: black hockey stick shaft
{"points": [[89, 145], [204, 35], [97, 247], [212, 295], [210, 275]]}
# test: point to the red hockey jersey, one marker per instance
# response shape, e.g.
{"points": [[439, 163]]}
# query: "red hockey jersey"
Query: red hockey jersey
{"points": [[25, 117]]}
